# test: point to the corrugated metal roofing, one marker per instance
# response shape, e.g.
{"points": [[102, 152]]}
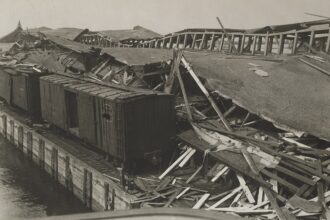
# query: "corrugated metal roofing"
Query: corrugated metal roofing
{"points": [[293, 96], [139, 56]]}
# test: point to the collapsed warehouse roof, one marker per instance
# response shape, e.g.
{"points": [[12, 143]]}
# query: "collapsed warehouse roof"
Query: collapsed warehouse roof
{"points": [[137, 33], [137, 67], [286, 92], [289, 27], [138, 56], [68, 44], [67, 33], [129, 37]]}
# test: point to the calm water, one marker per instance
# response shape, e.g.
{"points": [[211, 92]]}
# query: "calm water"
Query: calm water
{"points": [[27, 192]]}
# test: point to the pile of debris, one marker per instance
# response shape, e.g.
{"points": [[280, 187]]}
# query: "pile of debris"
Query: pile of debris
{"points": [[236, 161]]}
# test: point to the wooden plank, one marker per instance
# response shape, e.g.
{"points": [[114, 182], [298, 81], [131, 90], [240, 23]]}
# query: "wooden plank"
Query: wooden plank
{"points": [[295, 175], [296, 143], [219, 174], [173, 165], [201, 201], [182, 192], [315, 67], [274, 204], [293, 188], [245, 188], [172, 198], [221, 201], [183, 90], [194, 174], [206, 93], [260, 195], [236, 199], [186, 159]]}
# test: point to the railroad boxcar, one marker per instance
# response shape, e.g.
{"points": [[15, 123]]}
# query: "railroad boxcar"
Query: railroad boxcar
{"points": [[21, 89], [125, 123]]}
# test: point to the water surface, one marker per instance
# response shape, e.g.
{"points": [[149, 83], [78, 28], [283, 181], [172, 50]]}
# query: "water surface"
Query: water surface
{"points": [[28, 192]]}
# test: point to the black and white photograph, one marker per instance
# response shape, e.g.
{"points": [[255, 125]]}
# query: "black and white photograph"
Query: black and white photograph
{"points": [[165, 109]]}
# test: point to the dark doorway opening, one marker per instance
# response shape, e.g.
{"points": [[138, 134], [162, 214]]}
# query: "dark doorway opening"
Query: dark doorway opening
{"points": [[72, 112]]}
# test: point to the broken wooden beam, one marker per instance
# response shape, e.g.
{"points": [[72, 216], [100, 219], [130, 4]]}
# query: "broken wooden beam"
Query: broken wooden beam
{"points": [[201, 201], [206, 93], [170, 168]]}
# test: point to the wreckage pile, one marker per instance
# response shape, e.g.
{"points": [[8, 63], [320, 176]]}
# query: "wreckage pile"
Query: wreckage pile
{"points": [[237, 162], [249, 141]]}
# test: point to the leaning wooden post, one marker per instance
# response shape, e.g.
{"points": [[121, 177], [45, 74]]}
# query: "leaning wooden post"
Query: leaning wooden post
{"points": [[259, 43], [254, 45], [201, 46], [206, 93], [177, 41], [183, 90], [171, 42], [270, 46], [281, 44], [327, 49], [242, 41], [222, 41], [194, 41], [294, 46], [266, 44], [231, 41], [311, 40], [212, 42], [185, 40]]}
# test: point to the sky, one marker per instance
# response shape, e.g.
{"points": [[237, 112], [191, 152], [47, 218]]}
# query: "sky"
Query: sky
{"points": [[162, 16]]}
